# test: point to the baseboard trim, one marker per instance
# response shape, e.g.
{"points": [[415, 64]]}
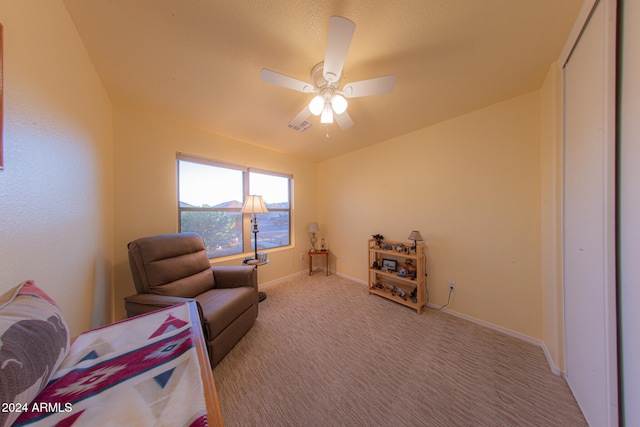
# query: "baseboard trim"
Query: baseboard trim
{"points": [[552, 367], [280, 279], [354, 279]]}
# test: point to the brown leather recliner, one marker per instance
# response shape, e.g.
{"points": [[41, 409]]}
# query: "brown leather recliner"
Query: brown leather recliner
{"points": [[173, 268]]}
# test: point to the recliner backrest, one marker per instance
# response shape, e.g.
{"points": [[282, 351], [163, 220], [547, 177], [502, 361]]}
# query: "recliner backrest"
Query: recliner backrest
{"points": [[171, 264]]}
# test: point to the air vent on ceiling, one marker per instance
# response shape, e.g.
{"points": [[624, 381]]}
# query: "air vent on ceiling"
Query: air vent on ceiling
{"points": [[300, 127]]}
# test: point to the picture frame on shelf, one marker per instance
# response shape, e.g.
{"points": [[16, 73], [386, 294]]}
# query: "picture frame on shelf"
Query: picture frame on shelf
{"points": [[390, 264]]}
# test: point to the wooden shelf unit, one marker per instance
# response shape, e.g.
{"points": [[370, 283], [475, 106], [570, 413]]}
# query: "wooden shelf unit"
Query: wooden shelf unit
{"points": [[390, 279]]}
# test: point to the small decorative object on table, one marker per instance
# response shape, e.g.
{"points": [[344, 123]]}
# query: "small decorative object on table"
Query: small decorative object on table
{"points": [[313, 229], [377, 285], [411, 271], [378, 238]]}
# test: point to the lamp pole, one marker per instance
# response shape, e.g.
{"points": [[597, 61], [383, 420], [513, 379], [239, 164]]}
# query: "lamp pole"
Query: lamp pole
{"points": [[254, 220]]}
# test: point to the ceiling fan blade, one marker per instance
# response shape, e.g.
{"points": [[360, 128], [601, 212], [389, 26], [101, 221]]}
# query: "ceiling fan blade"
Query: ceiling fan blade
{"points": [[299, 122], [343, 120], [338, 40], [278, 79], [377, 86]]}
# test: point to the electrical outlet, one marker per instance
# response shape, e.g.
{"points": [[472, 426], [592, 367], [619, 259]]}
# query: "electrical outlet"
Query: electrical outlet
{"points": [[452, 286], [344, 259], [301, 257]]}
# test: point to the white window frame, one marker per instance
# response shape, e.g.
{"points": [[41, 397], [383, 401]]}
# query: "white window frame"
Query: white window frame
{"points": [[247, 234]]}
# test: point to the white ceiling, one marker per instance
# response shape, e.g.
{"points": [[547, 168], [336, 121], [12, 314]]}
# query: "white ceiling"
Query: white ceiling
{"points": [[200, 60]]}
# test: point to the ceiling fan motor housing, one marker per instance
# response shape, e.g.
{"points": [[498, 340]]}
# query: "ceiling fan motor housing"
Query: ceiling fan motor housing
{"points": [[318, 79]]}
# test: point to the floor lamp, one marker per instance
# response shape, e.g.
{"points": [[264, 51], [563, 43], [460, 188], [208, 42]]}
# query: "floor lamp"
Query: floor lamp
{"points": [[255, 205]]}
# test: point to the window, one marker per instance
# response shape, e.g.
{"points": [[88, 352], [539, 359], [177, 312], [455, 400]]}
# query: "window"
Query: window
{"points": [[273, 226], [210, 199]]}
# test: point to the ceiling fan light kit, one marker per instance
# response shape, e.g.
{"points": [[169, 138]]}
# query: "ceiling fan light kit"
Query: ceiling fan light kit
{"points": [[327, 116], [316, 105], [326, 77], [323, 104], [339, 103]]}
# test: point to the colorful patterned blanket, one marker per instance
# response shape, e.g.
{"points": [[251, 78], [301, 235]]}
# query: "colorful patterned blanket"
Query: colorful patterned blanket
{"points": [[142, 371]]}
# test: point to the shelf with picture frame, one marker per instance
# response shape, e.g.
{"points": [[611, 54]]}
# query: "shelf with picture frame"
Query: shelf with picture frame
{"points": [[397, 272]]}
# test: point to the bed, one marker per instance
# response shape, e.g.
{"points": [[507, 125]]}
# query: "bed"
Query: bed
{"points": [[149, 370]]}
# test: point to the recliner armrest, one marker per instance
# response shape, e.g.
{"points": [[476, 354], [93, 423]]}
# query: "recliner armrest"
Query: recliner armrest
{"points": [[235, 276], [145, 303]]}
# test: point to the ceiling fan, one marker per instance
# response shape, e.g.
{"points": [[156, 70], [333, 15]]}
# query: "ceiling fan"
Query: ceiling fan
{"points": [[330, 102]]}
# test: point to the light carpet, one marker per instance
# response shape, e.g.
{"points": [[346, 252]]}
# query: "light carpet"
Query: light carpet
{"points": [[325, 353]]}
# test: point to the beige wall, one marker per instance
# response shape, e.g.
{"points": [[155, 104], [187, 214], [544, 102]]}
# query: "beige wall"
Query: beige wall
{"points": [[471, 185], [56, 192], [146, 188], [551, 216]]}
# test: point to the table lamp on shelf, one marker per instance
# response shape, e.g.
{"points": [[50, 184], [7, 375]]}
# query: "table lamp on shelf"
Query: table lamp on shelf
{"points": [[415, 236], [313, 229]]}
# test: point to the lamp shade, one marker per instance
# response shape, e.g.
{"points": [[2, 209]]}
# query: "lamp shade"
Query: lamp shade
{"points": [[316, 105], [415, 235], [313, 227], [339, 104], [254, 205], [327, 115]]}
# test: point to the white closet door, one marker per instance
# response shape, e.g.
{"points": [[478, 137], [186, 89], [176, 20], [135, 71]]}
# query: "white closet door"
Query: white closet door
{"points": [[629, 205], [589, 215]]}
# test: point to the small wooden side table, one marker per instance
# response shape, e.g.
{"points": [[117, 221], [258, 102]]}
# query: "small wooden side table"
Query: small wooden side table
{"points": [[324, 253]]}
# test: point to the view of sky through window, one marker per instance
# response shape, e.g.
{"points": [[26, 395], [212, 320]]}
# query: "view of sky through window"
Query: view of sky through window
{"points": [[198, 182], [202, 185]]}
